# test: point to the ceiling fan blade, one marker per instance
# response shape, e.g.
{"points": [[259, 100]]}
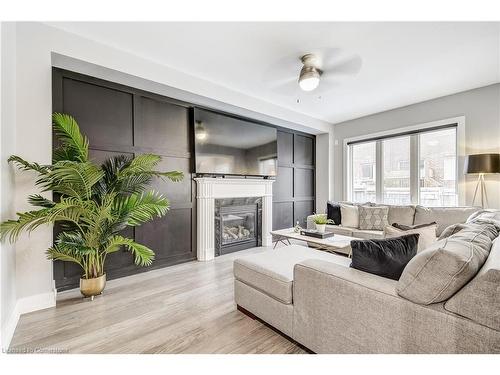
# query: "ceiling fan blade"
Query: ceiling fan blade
{"points": [[344, 66], [275, 83], [287, 87], [325, 87], [283, 69]]}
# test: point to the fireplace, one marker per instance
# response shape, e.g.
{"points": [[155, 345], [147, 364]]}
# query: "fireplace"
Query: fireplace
{"points": [[214, 193], [238, 224]]}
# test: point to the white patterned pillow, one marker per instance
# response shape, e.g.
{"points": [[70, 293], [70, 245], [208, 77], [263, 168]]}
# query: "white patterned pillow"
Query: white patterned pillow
{"points": [[373, 217]]}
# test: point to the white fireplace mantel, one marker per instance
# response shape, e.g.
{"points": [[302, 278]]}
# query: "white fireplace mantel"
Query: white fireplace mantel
{"points": [[209, 189]]}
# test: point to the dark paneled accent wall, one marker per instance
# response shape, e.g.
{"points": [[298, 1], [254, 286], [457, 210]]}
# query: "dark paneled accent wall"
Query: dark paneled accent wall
{"points": [[294, 189], [122, 120]]}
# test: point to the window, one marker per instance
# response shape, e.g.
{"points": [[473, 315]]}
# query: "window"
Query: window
{"points": [[396, 170], [417, 167], [363, 172], [437, 165]]}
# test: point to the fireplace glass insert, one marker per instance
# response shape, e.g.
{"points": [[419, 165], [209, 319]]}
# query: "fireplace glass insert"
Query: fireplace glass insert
{"points": [[238, 227], [237, 224]]}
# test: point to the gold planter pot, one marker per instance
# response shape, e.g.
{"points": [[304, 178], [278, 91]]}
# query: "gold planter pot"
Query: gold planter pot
{"points": [[92, 287]]}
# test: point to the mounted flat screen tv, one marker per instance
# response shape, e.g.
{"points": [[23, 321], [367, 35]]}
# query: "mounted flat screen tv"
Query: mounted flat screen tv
{"points": [[226, 145]]}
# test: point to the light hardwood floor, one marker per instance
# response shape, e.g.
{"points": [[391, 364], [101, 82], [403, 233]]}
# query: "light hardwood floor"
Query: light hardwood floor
{"points": [[188, 308]]}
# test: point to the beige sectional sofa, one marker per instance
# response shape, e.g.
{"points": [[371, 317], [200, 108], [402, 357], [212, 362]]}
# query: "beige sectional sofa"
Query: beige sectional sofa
{"points": [[406, 215], [315, 298]]}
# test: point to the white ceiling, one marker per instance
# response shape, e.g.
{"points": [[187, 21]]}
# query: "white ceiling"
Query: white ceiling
{"points": [[402, 63]]}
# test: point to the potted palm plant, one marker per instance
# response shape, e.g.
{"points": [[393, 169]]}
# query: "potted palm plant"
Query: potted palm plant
{"points": [[92, 204]]}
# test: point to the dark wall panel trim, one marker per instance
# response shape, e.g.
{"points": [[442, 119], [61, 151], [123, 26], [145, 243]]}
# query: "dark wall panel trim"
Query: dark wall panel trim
{"points": [[176, 155], [291, 157]]}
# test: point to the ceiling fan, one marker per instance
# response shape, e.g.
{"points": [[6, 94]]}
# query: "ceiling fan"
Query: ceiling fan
{"points": [[309, 74], [317, 71]]}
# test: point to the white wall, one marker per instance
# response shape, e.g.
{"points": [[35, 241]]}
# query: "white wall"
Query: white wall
{"points": [[7, 145], [37, 47], [481, 108], [324, 170], [34, 143]]}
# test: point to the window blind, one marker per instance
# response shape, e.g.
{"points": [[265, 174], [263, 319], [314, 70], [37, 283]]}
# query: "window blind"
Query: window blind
{"points": [[396, 135]]}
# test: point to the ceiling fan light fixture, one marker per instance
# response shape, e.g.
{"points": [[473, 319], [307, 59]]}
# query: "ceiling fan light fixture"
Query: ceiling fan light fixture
{"points": [[309, 78]]}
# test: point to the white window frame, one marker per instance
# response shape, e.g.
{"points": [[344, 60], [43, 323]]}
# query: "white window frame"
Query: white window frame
{"points": [[414, 157]]}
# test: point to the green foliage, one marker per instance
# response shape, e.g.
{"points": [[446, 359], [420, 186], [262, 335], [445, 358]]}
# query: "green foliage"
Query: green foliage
{"points": [[74, 146], [138, 209], [25, 166], [321, 219], [93, 204]]}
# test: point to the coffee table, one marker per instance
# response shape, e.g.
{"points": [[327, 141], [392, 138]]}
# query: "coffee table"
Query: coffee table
{"points": [[337, 243]]}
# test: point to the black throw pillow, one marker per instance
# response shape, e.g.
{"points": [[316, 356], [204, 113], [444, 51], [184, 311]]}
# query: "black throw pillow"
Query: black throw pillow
{"points": [[385, 257], [333, 212]]}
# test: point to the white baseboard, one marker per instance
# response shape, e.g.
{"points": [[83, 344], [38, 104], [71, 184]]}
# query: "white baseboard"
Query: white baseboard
{"points": [[9, 328], [36, 302], [24, 306]]}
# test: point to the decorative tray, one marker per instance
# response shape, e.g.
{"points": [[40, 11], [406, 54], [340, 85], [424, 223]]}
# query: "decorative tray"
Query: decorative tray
{"points": [[315, 233]]}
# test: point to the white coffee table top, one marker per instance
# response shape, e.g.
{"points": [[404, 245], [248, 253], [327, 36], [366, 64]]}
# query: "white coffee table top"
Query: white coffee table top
{"points": [[337, 241]]}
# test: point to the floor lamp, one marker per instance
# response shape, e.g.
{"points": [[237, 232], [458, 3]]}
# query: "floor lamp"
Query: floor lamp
{"points": [[481, 164]]}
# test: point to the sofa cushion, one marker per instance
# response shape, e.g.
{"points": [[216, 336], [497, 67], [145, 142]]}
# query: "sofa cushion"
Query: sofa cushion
{"points": [[367, 234], [386, 257], [357, 203], [333, 212], [479, 300], [355, 232], [271, 271], [373, 217], [427, 234], [350, 215], [401, 215], [443, 216], [438, 272], [339, 229], [415, 226]]}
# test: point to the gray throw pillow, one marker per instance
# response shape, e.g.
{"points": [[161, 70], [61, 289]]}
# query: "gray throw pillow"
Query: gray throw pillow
{"points": [[438, 272], [479, 300], [373, 217], [451, 230]]}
